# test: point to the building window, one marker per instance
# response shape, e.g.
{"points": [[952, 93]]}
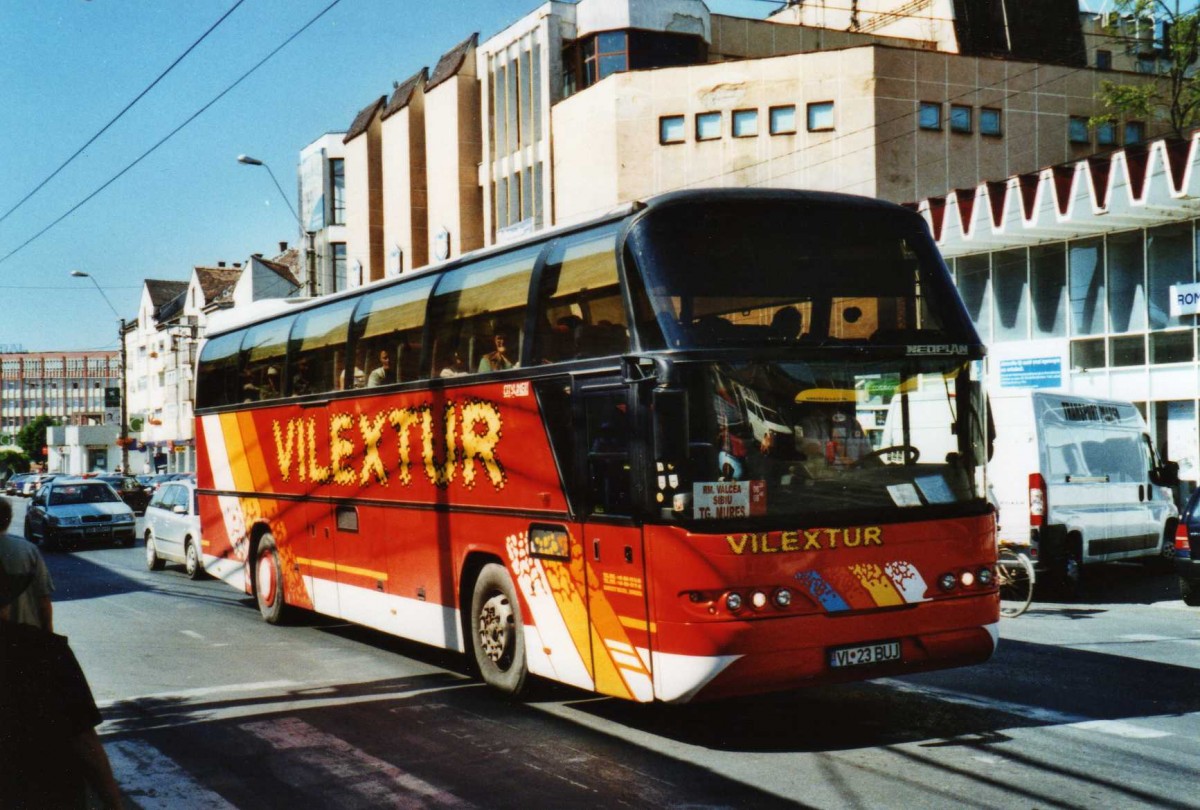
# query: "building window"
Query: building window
{"points": [[1085, 272], [1127, 351], [960, 118], [1103, 60], [782, 120], [339, 266], [929, 115], [820, 116], [1077, 130], [1106, 134], [1048, 290], [974, 285], [1010, 280], [337, 191], [1171, 347], [1087, 354], [671, 129], [1135, 132], [708, 126], [1168, 262], [745, 123], [604, 55]]}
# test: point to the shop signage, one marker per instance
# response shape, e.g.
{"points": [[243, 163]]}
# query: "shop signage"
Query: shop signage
{"points": [[1185, 299], [1031, 372]]}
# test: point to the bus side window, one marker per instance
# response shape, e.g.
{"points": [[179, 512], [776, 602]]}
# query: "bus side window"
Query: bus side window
{"points": [[264, 351], [317, 349], [608, 470], [390, 323], [472, 302], [580, 310], [218, 378]]}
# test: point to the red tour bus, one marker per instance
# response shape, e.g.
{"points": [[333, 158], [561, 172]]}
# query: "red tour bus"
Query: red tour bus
{"points": [[639, 456]]}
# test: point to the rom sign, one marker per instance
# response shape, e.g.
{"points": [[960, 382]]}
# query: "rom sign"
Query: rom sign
{"points": [[1185, 299]]}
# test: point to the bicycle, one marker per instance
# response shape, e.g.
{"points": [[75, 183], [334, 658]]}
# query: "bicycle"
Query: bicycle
{"points": [[1015, 577]]}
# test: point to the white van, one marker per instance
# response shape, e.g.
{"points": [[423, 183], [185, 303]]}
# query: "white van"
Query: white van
{"points": [[1076, 480]]}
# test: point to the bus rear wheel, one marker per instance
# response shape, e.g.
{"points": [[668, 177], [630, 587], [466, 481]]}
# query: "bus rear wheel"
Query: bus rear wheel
{"points": [[268, 582], [498, 632]]}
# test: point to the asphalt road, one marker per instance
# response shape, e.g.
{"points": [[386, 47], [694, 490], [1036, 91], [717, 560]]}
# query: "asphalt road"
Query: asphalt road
{"points": [[1088, 704]]}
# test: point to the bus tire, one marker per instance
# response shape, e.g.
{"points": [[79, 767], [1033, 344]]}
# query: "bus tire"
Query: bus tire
{"points": [[268, 582], [498, 632]]}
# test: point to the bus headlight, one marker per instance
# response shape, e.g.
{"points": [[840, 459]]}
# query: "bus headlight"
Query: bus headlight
{"points": [[985, 577], [783, 598], [759, 600], [968, 579], [947, 582], [733, 602]]}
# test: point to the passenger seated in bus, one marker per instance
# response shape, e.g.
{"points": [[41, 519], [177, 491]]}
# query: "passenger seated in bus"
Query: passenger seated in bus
{"points": [[301, 381], [498, 359], [382, 375], [270, 387], [787, 323], [456, 367]]}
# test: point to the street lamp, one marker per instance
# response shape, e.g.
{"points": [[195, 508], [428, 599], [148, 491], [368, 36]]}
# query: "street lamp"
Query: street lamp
{"points": [[124, 442], [310, 252]]}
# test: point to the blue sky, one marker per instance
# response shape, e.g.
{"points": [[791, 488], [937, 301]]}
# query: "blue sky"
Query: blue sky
{"points": [[69, 66]]}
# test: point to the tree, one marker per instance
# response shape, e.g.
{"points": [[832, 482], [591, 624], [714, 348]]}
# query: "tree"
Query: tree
{"points": [[1175, 98], [13, 460], [32, 438]]}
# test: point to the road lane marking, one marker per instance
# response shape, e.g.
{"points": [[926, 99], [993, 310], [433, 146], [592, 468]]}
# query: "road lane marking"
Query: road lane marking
{"points": [[192, 634], [1117, 728], [360, 772], [153, 780]]}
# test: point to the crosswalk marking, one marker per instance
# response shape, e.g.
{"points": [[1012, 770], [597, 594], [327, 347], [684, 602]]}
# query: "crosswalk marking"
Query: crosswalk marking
{"points": [[361, 773], [153, 781]]}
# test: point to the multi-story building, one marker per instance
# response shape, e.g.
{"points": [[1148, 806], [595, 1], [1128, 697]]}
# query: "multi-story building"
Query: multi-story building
{"points": [[1083, 278], [323, 213], [579, 107], [73, 388], [161, 347]]}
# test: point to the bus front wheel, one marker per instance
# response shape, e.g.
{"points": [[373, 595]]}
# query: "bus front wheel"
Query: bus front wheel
{"points": [[268, 582], [497, 631]]}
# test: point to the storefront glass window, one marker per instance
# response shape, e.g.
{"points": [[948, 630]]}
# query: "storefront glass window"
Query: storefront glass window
{"points": [[974, 286], [1171, 347], [1127, 351], [1168, 261], [1048, 285], [1126, 283], [1086, 265], [1010, 276]]}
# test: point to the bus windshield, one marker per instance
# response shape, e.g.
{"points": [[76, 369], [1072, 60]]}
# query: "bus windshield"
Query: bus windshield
{"points": [[808, 440], [737, 274]]}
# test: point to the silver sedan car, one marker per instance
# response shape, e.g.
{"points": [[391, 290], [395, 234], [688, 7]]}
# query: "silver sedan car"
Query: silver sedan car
{"points": [[173, 528]]}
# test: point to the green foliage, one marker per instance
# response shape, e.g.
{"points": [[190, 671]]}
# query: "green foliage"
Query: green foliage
{"points": [[32, 438], [14, 461], [1174, 99]]}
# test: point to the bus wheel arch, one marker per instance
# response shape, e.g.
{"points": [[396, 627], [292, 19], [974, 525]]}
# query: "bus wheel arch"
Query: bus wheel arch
{"points": [[495, 625]]}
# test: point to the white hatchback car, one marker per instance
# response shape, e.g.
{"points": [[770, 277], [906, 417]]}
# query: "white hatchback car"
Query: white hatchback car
{"points": [[173, 528]]}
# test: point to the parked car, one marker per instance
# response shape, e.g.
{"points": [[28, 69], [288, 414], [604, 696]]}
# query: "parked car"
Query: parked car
{"points": [[173, 528], [74, 510], [14, 485], [130, 490], [1187, 551], [32, 484]]}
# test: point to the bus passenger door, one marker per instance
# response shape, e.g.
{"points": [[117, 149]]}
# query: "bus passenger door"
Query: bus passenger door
{"points": [[612, 542]]}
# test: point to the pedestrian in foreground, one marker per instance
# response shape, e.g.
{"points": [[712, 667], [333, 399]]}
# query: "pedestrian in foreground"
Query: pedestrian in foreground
{"points": [[49, 750], [21, 557]]}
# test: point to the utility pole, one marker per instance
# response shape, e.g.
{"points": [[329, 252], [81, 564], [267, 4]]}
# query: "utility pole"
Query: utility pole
{"points": [[124, 402]]}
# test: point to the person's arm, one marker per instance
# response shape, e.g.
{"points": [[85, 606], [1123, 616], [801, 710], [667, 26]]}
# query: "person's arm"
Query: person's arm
{"points": [[46, 613], [96, 767]]}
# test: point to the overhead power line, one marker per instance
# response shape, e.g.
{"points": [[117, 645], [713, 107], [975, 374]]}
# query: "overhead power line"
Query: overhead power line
{"points": [[170, 134], [119, 115]]}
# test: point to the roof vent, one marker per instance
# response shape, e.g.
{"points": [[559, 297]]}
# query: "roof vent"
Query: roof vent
{"points": [[283, 247], [220, 264]]}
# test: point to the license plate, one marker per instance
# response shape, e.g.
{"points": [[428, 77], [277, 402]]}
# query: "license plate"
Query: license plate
{"points": [[864, 654], [96, 529]]}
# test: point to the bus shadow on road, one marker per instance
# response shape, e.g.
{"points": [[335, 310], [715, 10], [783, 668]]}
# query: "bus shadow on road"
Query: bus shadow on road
{"points": [[1026, 685]]}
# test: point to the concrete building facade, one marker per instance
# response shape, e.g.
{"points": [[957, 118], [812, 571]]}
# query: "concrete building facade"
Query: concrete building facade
{"points": [[75, 388]]}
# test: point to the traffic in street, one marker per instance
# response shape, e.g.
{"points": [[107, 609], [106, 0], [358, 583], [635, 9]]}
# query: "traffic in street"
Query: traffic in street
{"points": [[1087, 703]]}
